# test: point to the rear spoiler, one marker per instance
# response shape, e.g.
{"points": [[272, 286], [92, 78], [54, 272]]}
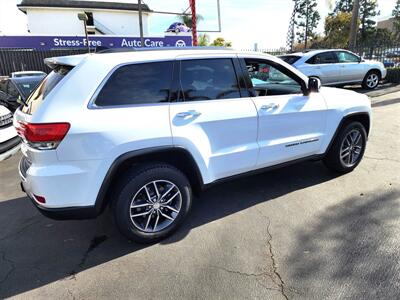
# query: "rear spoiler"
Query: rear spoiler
{"points": [[71, 60]]}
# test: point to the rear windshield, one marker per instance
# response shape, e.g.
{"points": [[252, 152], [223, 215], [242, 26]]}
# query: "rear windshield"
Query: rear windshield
{"points": [[44, 88], [290, 59]]}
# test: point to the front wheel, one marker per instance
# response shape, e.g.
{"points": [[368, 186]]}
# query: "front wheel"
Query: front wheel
{"points": [[152, 202], [347, 149], [371, 80]]}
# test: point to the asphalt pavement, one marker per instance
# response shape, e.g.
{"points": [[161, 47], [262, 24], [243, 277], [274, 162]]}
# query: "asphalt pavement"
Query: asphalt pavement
{"points": [[300, 232]]}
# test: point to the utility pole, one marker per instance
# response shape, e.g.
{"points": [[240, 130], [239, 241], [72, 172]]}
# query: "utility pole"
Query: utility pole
{"points": [[141, 23], [307, 17], [353, 26], [291, 32], [83, 17]]}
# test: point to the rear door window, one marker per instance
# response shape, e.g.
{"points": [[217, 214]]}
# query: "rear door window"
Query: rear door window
{"points": [[134, 84], [323, 58], [44, 88], [208, 79]]}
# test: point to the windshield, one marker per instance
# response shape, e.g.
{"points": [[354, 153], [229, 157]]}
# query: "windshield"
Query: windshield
{"points": [[44, 88], [290, 59]]}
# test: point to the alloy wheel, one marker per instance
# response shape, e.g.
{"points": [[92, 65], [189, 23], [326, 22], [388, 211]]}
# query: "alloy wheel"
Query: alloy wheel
{"points": [[155, 206], [372, 80], [351, 148]]}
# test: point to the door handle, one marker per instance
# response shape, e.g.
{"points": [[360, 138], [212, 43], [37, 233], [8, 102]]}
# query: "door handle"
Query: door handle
{"points": [[270, 106], [189, 113]]}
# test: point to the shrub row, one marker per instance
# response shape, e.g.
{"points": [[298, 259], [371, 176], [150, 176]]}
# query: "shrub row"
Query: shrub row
{"points": [[393, 75]]}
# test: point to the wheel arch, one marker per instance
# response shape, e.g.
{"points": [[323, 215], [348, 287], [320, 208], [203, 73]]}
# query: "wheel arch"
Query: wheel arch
{"points": [[375, 70], [175, 156], [362, 117]]}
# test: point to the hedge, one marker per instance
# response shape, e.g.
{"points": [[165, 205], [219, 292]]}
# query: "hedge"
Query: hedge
{"points": [[393, 75]]}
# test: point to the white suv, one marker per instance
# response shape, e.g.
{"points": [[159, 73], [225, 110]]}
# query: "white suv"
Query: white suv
{"points": [[139, 131]]}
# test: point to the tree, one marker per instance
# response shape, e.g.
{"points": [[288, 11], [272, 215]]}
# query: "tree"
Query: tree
{"points": [[343, 6], [220, 42], [204, 39], [368, 10], [306, 20], [187, 19], [396, 24], [337, 30]]}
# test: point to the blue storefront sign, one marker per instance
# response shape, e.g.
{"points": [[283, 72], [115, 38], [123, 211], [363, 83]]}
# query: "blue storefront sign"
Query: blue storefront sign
{"points": [[75, 42]]}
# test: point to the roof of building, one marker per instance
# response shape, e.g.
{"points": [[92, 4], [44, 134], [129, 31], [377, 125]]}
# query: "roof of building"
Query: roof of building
{"points": [[82, 5]]}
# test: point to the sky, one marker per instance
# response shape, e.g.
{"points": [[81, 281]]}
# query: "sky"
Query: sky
{"points": [[244, 22]]}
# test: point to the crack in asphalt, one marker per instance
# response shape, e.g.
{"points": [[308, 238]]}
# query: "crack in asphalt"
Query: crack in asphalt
{"points": [[94, 243], [21, 229], [256, 275], [241, 273], [281, 283], [382, 158], [281, 286], [12, 263], [72, 295]]}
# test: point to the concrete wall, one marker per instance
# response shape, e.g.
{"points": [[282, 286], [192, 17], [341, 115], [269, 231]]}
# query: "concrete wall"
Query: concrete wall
{"points": [[60, 21]]}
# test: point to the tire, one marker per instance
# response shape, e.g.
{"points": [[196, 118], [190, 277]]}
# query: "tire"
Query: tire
{"points": [[344, 140], [371, 80], [151, 225]]}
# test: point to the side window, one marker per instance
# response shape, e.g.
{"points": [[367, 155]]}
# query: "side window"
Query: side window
{"points": [[208, 79], [137, 84], [322, 58], [269, 81], [346, 57]]}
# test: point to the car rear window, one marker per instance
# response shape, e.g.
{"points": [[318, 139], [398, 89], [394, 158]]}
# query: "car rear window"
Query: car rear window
{"points": [[290, 59], [143, 83], [44, 88]]}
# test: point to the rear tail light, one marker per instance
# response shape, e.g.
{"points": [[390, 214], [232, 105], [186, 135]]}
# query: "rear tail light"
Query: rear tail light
{"points": [[43, 136]]}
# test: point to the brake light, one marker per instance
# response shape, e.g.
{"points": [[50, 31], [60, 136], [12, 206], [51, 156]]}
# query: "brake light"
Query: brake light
{"points": [[43, 136]]}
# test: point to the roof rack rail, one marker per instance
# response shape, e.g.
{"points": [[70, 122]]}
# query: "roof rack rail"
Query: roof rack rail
{"points": [[116, 50]]}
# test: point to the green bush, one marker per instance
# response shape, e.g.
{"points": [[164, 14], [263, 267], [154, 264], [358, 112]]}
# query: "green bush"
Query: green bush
{"points": [[393, 75]]}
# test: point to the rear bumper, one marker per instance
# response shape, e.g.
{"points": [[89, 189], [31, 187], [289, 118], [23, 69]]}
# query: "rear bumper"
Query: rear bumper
{"points": [[65, 213]]}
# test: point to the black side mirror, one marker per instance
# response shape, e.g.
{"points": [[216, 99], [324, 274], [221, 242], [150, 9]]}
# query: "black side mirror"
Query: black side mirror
{"points": [[314, 85]]}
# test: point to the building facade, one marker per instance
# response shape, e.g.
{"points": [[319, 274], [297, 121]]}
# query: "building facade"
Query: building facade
{"points": [[386, 24], [60, 17]]}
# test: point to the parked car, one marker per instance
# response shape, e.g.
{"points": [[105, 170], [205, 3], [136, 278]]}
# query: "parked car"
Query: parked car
{"points": [[14, 91], [178, 27], [9, 140], [146, 129], [27, 73], [338, 67]]}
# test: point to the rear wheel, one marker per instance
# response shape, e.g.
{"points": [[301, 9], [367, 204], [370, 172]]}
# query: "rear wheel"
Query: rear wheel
{"points": [[152, 202], [347, 149], [371, 80]]}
